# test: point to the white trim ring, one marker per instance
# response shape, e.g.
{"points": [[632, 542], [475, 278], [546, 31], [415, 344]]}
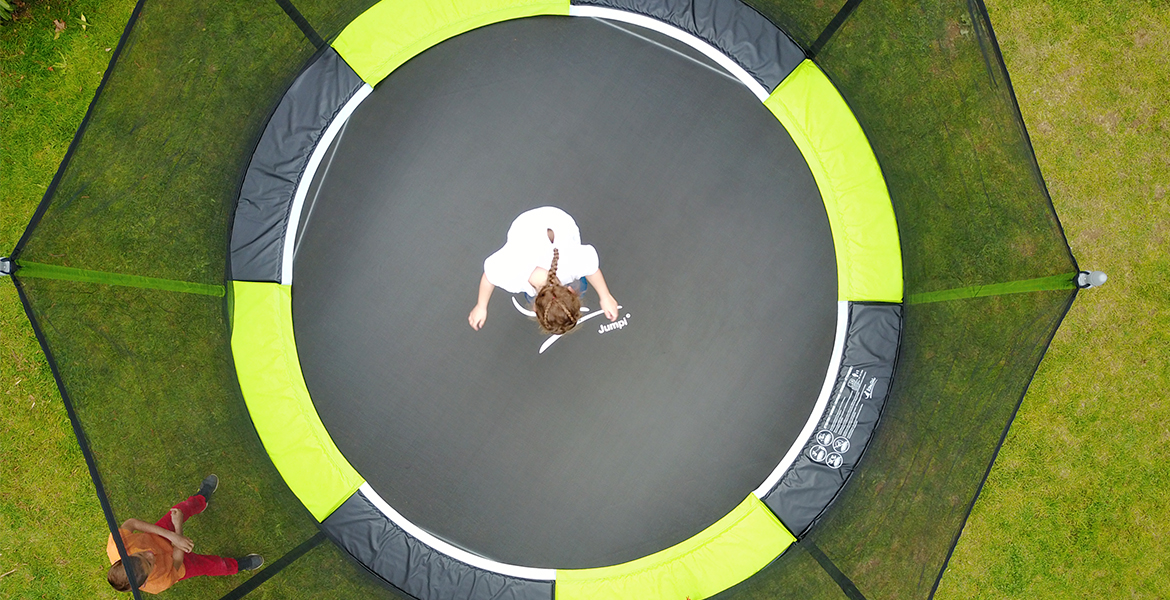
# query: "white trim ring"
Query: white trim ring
{"points": [[670, 30], [294, 213], [814, 419]]}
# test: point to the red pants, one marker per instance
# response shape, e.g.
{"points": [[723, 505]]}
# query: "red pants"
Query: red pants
{"points": [[198, 564]]}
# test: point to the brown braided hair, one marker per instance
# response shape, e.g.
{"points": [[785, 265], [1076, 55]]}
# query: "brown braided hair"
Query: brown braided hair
{"points": [[557, 306]]}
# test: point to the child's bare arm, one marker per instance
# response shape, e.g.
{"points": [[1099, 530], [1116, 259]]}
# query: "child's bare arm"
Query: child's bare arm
{"points": [[177, 519], [608, 303], [479, 313], [179, 551], [180, 542], [143, 526]]}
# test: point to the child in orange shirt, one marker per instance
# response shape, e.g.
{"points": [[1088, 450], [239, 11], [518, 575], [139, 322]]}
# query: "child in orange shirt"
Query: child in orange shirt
{"points": [[161, 555]]}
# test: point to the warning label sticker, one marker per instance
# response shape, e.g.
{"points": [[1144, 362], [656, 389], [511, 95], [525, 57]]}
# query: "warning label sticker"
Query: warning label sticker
{"points": [[832, 441]]}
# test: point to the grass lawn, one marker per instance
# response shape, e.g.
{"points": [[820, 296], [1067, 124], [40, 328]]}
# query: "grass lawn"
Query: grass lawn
{"points": [[52, 532], [1075, 505]]}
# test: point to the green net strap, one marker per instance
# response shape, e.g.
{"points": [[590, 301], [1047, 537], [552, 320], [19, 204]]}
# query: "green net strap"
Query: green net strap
{"points": [[1066, 281], [43, 271]]}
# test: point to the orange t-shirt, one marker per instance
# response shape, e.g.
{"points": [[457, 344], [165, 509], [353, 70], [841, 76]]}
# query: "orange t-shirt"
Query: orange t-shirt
{"points": [[164, 574]]}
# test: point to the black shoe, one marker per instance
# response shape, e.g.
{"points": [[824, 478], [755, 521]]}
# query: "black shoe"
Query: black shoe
{"points": [[210, 483], [250, 562]]}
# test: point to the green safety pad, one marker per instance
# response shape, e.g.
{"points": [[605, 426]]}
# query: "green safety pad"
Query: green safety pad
{"points": [[865, 232], [720, 556], [393, 31], [278, 401]]}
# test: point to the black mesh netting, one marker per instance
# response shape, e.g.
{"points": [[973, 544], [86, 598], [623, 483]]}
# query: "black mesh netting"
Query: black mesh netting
{"points": [[148, 189]]}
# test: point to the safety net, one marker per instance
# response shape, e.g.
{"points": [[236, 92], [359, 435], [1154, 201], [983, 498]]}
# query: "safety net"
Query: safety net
{"points": [[124, 273]]}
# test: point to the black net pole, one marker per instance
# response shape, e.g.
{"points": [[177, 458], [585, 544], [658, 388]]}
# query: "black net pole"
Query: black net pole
{"points": [[832, 28], [302, 23]]}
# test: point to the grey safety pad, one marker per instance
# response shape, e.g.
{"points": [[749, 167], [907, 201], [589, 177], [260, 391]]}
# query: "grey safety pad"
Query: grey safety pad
{"points": [[863, 382], [736, 29], [280, 158], [415, 568]]}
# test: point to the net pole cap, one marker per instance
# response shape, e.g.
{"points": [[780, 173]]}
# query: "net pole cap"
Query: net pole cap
{"points": [[1091, 279]]}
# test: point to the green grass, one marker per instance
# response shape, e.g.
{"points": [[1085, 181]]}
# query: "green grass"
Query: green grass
{"points": [[1074, 507], [52, 532], [1076, 504], [151, 367]]}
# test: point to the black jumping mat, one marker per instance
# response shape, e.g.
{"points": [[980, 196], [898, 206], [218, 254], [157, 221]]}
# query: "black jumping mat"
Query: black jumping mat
{"points": [[615, 442]]}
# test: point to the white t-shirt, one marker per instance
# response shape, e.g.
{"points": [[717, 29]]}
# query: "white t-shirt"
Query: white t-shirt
{"points": [[528, 247]]}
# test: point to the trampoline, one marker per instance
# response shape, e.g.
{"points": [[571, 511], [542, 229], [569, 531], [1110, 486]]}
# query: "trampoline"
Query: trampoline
{"points": [[269, 240], [742, 223]]}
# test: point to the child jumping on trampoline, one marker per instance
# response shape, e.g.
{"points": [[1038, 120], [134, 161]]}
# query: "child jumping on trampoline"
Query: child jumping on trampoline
{"points": [[160, 554], [539, 237]]}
